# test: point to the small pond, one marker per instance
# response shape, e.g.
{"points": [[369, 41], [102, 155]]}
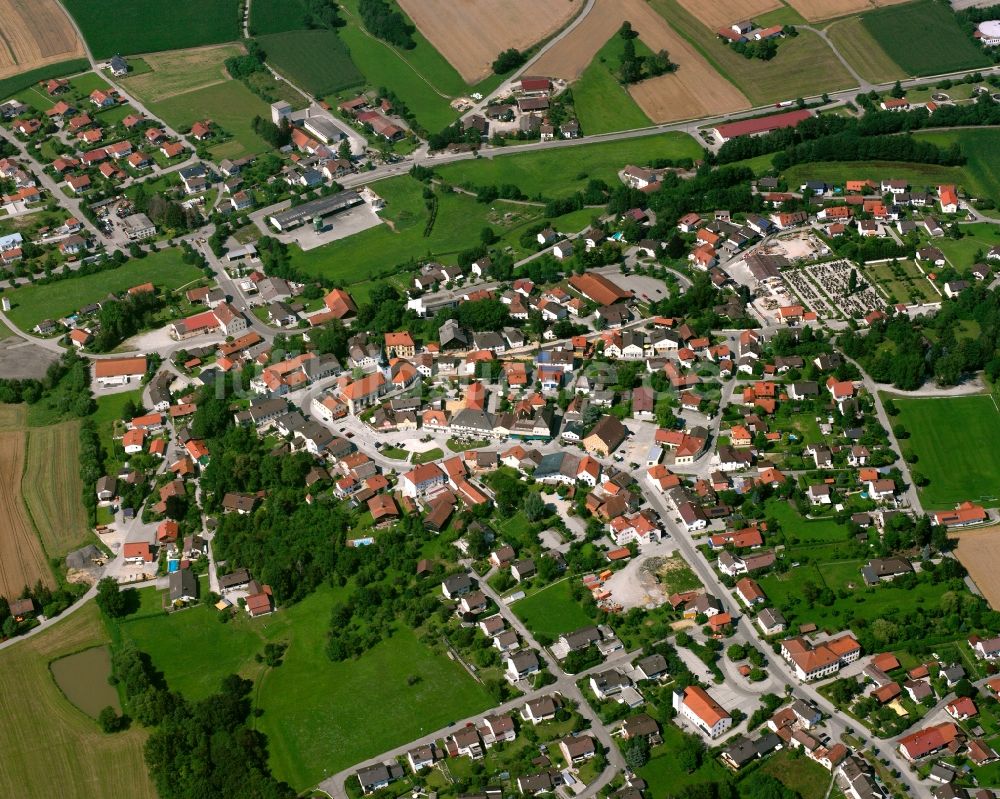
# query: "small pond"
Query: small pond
{"points": [[83, 678]]}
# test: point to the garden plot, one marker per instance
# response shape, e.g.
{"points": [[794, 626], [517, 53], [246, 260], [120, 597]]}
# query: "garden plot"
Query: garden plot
{"points": [[834, 280]]}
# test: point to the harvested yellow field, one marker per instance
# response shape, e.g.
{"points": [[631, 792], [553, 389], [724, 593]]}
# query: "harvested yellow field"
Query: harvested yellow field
{"points": [[22, 561], [695, 89], [814, 10], [470, 34], [979, 552], [52, 487], [179, 71], [71, 757], [723, 13], [35, 33]]}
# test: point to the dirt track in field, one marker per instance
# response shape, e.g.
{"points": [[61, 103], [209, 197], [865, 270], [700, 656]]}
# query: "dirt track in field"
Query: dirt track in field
{"points": [[979, 552], [723, 13], [694, 90], [470, 34], [22, 561], [814, 10], [35, 33]]}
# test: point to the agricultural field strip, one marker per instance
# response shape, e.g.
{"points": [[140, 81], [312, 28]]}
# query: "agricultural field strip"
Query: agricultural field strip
{"points": [[473, 37], [35, 33]]}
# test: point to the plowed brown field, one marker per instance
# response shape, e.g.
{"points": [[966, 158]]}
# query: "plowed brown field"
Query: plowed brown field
{"points": [[723, 13], [828, 9], [979, 552], [22, 561], [471, 33], [694, 90], [35, 33]]}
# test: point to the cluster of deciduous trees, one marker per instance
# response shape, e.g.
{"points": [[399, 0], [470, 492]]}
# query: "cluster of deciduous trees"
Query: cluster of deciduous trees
{"points": [[633, 67], [510, 59], [387, 23]]}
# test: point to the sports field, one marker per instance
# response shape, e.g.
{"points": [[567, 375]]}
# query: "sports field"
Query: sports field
{"points": [[316, 60], [957, 440], [146, 26], [32, 304], [859, 47], [181, 71], [602, 104], [317, 714], [558, 173], [552, 611], [22, 559], [70, 757], [694, 89], [804, 66], [923, 38], [35, 33], [230, 105], [52, 487], [471, 33]]}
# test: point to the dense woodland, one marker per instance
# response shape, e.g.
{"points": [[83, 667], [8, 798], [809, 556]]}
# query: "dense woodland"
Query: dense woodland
{"points": [[196, 749]]}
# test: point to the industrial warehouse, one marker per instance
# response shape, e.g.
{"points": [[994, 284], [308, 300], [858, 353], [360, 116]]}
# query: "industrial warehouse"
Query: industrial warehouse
{"points": [[315, 210]]}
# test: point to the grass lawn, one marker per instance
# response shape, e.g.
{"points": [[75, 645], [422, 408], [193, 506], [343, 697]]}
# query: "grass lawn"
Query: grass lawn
{"points": [[420, 77], [552, 611], [392, 248], [321, 717], [859, 47], [602, 103], [181, 71], [805, 531], [317, 715], [31, 304], [51, 487], [664, 773], [230, 105], [962, 252], [802, 775], [958, 442], [24, 80], [981, 174], [109, 411], [144, 26], [427, 457], [555, 173], [178, 643], [316, 60], [804, 66], [924, 38], [77, 760], [785, 593]]}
